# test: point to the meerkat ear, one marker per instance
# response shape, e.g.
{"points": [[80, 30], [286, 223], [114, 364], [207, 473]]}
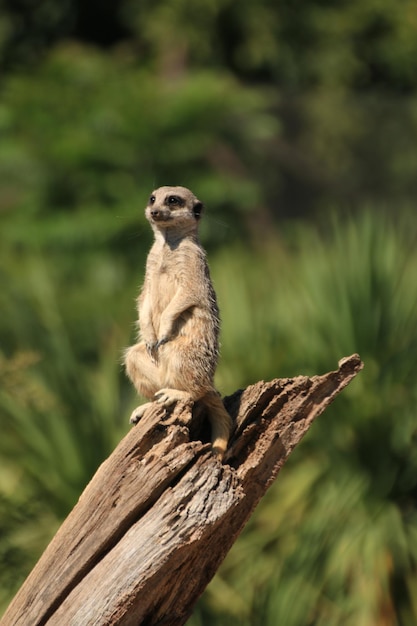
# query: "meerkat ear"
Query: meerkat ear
{"points": [[197, 210]]}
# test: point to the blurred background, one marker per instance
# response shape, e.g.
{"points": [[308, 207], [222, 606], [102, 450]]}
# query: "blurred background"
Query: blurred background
{"points": [[296, 124]]}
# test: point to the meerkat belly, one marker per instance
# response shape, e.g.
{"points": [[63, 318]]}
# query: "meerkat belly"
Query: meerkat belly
{"points": [[188, 361], [194, 325]]}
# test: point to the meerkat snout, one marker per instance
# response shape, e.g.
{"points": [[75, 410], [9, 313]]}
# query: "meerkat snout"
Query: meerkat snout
{"points": [[156, 214]]}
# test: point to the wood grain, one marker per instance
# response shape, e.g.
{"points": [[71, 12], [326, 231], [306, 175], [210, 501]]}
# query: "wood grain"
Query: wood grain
{"points": [[160, 514]]}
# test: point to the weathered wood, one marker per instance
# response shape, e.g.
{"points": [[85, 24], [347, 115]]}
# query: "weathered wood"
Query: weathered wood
{"points": [[160, 514]]}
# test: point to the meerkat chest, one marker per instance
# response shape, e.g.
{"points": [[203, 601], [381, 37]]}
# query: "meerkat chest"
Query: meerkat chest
{"points": [[165, 277]]}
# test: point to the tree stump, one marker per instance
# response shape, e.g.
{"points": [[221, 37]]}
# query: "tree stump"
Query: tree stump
{"points": [[158, 517]]}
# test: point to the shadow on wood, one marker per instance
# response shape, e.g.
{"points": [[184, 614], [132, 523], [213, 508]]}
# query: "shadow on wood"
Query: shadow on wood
{"points": [[160, 514]]}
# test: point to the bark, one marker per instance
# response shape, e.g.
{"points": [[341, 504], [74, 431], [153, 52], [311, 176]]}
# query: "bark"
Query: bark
{"points": [[156, 520]]}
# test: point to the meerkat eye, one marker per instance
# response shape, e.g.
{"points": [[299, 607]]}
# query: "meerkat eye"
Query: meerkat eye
{"points": [[152, 200], [174, 200]]}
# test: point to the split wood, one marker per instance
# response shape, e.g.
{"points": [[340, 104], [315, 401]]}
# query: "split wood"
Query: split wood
{"points": [[160, 514]]}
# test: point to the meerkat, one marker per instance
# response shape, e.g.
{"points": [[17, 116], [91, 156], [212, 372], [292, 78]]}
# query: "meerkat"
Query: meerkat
{"points": [[178, 349]]}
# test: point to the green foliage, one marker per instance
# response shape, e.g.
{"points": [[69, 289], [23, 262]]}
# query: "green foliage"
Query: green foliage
{"points": [[297, 45], [62, 394], [336, 533], [50, 418], [25, 528], [85, 138]]}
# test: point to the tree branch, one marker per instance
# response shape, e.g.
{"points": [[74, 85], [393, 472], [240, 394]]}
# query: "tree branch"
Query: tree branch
{"points": [[160, 514]]}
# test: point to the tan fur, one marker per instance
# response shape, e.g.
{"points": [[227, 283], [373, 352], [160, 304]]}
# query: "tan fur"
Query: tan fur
{"points": [[177, 353]]}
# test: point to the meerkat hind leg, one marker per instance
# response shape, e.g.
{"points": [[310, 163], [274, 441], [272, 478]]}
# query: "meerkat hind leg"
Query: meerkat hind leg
{"points": [[139, 412], [168, 396]]}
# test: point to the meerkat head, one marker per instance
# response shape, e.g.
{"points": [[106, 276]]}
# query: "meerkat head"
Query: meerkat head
{"points": [[173, 208]]}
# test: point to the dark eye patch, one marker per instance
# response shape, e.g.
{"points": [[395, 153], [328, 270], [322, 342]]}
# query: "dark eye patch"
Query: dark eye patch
{"points": [[173, 201], [152, 200]]}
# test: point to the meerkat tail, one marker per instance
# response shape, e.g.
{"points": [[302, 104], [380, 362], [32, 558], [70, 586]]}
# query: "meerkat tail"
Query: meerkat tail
{"points": [[221, 423]]}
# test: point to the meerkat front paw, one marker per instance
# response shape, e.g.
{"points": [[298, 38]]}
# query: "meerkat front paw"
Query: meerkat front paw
{"points": [[139, 412], [152, 350], [167, 397], [161, 342]]}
